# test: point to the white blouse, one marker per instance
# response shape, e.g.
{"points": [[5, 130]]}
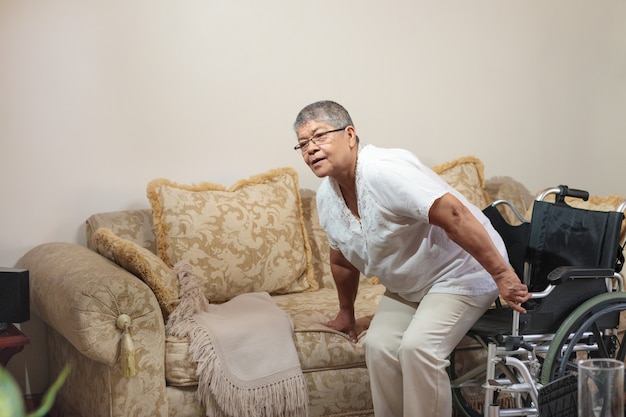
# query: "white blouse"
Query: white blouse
{"points": [[393, 239]]}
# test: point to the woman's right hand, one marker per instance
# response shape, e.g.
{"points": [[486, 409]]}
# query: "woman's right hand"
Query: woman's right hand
{"points": [[344, 322]]}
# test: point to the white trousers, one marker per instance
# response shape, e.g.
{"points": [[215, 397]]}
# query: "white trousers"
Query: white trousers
{"points": [[407, 348]]}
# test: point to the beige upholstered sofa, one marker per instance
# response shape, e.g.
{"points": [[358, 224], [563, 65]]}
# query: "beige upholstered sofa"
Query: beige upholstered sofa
{"points": [[93, 303]]}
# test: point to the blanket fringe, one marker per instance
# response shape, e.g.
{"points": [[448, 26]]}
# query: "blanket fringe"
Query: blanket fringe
{"points": [[192, 301], [222, 398]]}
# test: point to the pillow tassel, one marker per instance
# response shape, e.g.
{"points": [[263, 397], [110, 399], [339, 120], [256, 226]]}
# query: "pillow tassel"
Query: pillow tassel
{"points": [[127, 349]]}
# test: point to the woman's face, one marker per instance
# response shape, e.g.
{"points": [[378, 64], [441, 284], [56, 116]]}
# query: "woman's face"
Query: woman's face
{"points": [[327, 154]]}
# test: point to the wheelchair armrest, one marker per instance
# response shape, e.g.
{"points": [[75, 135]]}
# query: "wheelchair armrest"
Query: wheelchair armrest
{"points": [[564, 273]]}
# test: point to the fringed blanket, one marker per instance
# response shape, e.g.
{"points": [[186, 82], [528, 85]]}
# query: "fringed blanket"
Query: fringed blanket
{"points": [[247, 364]]}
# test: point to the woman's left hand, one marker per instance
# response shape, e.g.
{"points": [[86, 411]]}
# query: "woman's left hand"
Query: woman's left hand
{"points": [[512, 290]]}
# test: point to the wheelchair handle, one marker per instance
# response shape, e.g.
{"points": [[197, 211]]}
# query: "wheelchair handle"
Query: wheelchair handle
{"points": [[563, 191]]}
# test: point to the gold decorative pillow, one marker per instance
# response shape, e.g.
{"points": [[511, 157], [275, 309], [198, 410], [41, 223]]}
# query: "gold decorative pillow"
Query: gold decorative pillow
{"points": [[467, 176], [248, 238], [143, 264]]}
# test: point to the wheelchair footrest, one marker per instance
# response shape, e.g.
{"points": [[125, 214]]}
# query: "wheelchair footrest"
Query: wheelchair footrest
{"points": [[515, 388]]}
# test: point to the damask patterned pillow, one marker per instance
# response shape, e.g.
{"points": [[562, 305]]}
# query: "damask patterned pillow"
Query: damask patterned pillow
{"points": [[248, 238], [467, 176], [142, 263]]}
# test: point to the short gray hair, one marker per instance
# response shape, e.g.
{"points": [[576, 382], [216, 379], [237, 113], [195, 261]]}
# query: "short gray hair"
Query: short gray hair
{"points": [[324, 111]]}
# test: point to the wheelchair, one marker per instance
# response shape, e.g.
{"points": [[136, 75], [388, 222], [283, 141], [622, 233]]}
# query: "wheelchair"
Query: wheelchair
{"points": [[526, 364]]}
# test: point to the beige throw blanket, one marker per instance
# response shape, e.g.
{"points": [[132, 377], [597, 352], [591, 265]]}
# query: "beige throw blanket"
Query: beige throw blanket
{"points": [[247, 364]]}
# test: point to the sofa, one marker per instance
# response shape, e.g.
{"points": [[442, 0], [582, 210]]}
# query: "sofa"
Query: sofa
{"points": [[105, 306]]}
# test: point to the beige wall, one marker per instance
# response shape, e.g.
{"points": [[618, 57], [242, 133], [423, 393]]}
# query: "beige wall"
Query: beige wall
{"points": [[97, 98]]}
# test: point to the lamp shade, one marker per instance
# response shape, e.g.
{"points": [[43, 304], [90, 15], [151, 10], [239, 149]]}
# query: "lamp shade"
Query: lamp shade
{"points": [[14, 296]]}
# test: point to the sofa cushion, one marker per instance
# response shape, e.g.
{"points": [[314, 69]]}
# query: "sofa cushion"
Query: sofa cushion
{"points": [[318, 347], [467, 176], [248, 238], [180, 371], [142, 263]]}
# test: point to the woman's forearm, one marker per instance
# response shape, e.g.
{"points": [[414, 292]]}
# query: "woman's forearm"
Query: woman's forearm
{"points": [[346, 278]]}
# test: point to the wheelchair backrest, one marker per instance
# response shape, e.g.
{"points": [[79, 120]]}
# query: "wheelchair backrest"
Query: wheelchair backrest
{"points": [[515, 238], [562, 235], [559, 235]]}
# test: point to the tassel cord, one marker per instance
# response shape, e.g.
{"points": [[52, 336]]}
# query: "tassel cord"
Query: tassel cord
{"points": [[127, 349]]}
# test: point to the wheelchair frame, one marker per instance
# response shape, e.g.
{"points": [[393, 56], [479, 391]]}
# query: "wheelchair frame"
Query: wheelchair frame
{"points": [[527, 367]]}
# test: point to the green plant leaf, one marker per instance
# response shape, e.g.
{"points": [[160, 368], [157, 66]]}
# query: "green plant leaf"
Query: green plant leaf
{"points": [[50, 395], [11, 400]]}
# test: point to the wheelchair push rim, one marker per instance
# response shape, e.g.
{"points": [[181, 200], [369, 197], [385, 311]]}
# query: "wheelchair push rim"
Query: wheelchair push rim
{"points": [[581, 329]]}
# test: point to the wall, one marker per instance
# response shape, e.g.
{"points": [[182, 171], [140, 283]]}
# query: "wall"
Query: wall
{"points": [[98, 98]]}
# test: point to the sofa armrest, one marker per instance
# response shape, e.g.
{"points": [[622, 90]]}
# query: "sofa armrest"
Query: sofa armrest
{"points": [[81, 295]]}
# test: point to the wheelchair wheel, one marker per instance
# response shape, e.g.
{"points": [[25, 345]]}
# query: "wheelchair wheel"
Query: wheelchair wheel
{"points": [[468, 392], [588, 332]]}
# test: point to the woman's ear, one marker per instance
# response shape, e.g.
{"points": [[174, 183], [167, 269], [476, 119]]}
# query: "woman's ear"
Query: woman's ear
{"points": [[351, 131]]}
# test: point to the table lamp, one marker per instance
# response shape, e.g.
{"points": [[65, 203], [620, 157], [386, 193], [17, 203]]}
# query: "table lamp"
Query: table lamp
{"points": [[14, 297]]}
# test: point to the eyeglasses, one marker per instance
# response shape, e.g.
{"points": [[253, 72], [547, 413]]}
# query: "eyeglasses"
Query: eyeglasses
{"points": [[318, 139]]}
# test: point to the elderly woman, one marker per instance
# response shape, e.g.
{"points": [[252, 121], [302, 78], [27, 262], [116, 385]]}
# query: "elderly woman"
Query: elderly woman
{"points": [[387, 215]]}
